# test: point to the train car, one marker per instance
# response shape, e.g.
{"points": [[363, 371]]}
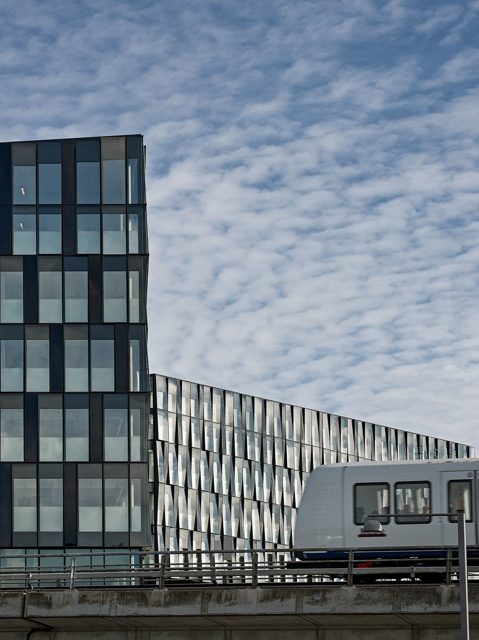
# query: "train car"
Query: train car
{"points": [[338, 499]]}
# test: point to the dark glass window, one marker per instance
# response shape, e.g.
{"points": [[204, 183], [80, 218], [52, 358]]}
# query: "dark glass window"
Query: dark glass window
{"points": [[50, 232], [50, 290], [88, 233], [11, 356], [38, 358], [12, 428], [50, 423], [369, 500], [414, 498], [88, 183], [113, 170], [76, 428], [460, 498], [50, 183], [24, 234], [115, 411], [76, 358], [11, 290], [102, 358]]}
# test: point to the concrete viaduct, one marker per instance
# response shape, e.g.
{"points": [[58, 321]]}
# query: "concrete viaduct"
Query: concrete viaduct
{"points": [[299, 612]]}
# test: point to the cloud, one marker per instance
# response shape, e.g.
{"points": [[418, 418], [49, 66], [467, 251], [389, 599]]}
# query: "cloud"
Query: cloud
{"points": [[312, 187]]}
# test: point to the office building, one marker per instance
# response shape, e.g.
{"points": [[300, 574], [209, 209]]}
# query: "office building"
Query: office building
{"points": [[74, 388]]}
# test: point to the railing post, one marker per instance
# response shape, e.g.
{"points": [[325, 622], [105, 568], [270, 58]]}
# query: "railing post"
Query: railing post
{"points": [[449, 566], [72, 574], [462, 544], [254, 578], [162, 571], [350, 568]]}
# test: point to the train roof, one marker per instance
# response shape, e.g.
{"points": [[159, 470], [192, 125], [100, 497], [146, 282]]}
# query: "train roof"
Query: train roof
{"points": [[458, 463]]}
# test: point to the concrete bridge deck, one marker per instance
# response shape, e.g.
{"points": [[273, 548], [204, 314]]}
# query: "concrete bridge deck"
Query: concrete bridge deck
{"points": [[413, 612]]}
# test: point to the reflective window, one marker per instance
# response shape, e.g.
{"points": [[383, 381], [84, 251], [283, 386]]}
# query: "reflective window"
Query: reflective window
{"points": [[24, 234], [116, 429], [50, 232], [76, 428], [133, 180], [88, 233], [116, 504], [24, 185], [38, 358], [369, 500], [114, 233], [460, 498], [24, 504], [11, 419], [11, 290], [76, 358], [76, 295], [134, 295], [50, 183], [135, 505], [51, 504], [88, 183], [50, 423], [11, 356], [102, 358], [139, 360], [114, 296], [113, 181], [90, 499], [138, 415], [133, 242], [50, 292], [413, 497]]}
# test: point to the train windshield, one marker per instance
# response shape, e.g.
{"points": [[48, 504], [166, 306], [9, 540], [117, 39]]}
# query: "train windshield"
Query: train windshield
{"points": [[371, 499]]}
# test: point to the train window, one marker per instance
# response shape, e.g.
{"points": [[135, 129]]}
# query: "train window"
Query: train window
{"points": [[460, 492], [370, 499], [413, 497]]}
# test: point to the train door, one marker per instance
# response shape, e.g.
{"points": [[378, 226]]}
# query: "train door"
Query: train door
{"points": [[458, 493]]}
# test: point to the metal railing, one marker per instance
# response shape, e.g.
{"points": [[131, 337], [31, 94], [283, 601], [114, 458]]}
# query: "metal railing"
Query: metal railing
{"points": [[225, 569]]}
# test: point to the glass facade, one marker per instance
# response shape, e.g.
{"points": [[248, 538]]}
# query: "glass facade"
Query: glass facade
{"points": [[227, 470], [74, 387]]}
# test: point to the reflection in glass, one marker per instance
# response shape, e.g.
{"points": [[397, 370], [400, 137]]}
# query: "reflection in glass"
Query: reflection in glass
{"points": [[116, 434], [50, 232], [113, 177], [76, 359], [24, 185], [102, 365], [24, 504], [135, 504], [50, 183], [133, 181], [114, 296], [133, 233], [413, 497], [11, 365], [88, 233], [114, 233], [38, 365], [134, 295], [76, 296], [11, 304], [51, 436], [88, 183], [90, 504], [11, 448], [76, 435], [50, 296], [51, 504], [116, 504], [24, 234]]}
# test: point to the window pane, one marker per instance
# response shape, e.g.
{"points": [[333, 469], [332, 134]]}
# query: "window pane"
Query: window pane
{"points": [[51, 436], [413, 497], [135, 500], [76, 434], [24, 234], [50, 183], [116, 434], [138, 359], [76, 296], [50, 232], [133, 180], [51, 504], [24, 185], [24, 504], [90, 504], [88, 234], [76, 365], [102, 365], [134, 295], [50, 296], [88, 182], [133, 232], [114, 233], [116, 504], [11, 435], [12, 365], [370, 499], [38, 365], [11, 284], [113, 182], [114, 296], [460, 498]]}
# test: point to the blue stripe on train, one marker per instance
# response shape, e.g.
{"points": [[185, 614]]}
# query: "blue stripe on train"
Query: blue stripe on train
{"points": [[371, 554]]}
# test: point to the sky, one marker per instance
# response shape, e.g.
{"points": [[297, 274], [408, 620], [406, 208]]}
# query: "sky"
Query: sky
{"points": [[313, 187]]}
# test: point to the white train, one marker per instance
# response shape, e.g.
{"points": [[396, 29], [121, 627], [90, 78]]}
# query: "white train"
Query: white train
{"points": [[339, 497]]}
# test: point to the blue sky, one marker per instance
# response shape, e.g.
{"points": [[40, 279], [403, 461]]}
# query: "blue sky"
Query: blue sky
{"points": [[313, 187]]}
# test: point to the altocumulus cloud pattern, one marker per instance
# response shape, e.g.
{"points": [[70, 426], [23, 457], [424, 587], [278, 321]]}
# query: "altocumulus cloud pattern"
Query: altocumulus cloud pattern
{"points": [[313, 187]]}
